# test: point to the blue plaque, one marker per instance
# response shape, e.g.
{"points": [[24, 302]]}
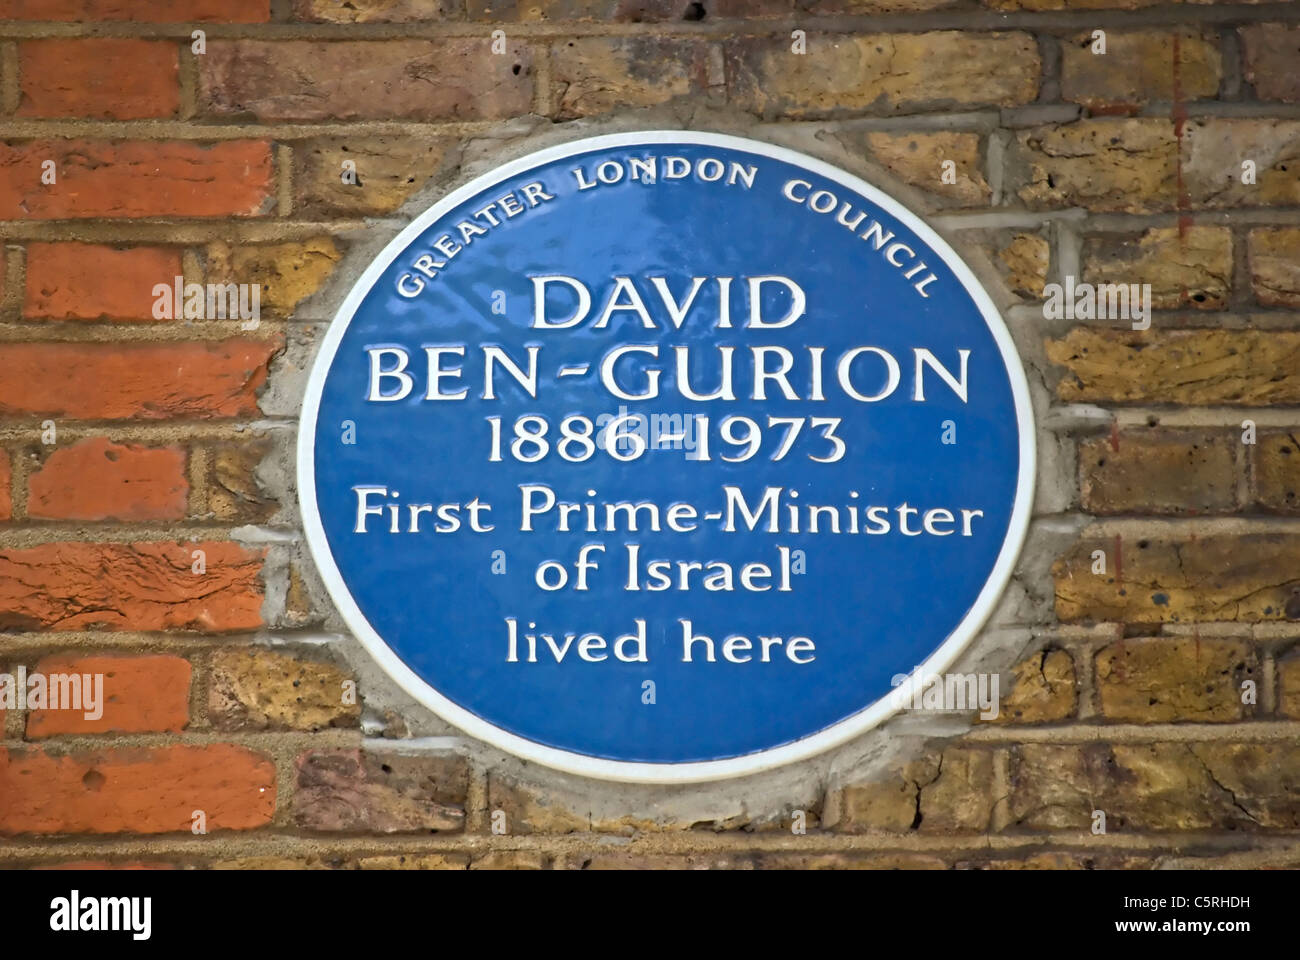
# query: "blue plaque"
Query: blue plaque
{"points": [[656, 456]]}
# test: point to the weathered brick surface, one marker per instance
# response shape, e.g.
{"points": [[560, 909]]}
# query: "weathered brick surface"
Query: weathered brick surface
{"points": [[1159, 471], [145, 381], [141, 694], [919, 158], [1245, 367], [1250, 577], [1139, 66], [298, 607], [6, 495], [156, 11], [883, 72], [1169, 679], [1287, 671], [410, 79], [234, 494], [529, 811], [96, 479], [594, 75], [134, 790], [597, 11], [1010, 5], [276, 863], [102, 865], [1042, 691], [533, 809], [1106, 164], [419, 861], [1214, 150], [253, 689], [1277, 472], [510, 860], [1145, 164], [379, 861], [374, 11], [285, 273], [1057, 860], [1162, 786], [1275, 266], [941, 794], [849, 861], [110, 79], [106, 178], [1271, 51], [741, 8], [1191, 267], [1043, 5], [130, 586], [625, 860], [1025, 260], [387, 171], [363, 792], [86, 281]]}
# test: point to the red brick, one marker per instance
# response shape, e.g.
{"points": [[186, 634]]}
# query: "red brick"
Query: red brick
{"points": [[130, 586], [104, 178], [154, 790], [107, 79], [153, 11], [455, 79], [148, 694], [6, 499], [88, 281], [97, 479], [146, 381]]}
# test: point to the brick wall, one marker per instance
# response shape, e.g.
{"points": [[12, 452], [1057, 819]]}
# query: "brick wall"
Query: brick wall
{"points": [[148, 523]]}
